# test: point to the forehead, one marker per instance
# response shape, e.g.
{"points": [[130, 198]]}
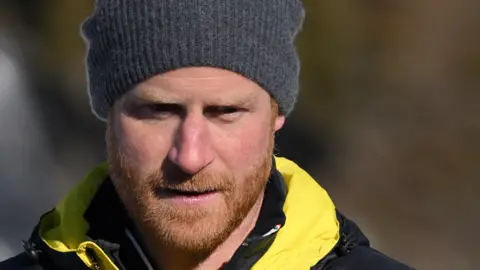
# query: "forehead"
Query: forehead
{"points": [[198, 82]]}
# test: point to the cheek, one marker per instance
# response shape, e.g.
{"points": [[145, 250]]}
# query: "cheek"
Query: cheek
{"points": [[244, 149], [146, 146]]}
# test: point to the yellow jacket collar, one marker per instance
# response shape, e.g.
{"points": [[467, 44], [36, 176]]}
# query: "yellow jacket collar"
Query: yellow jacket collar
{"points": [[310, 232]]}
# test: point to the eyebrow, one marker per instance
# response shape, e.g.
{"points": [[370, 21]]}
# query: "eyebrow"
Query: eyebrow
{"points": [[244, 100], [148, 95]]}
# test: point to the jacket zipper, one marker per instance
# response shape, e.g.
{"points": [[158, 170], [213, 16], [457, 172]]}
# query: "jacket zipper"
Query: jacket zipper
{"points": [[91, 255]]}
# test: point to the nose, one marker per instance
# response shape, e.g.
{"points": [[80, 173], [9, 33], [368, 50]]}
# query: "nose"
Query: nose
{"points": [[191, 150]]}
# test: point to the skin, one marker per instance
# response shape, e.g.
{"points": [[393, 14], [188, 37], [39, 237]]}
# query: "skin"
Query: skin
{"points": [[194, 129]]}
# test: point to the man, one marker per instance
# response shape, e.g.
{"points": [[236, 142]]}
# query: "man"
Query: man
{"points": [[193, 93]]}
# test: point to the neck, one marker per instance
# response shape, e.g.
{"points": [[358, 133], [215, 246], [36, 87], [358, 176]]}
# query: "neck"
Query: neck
{"points": [[167, 258]]}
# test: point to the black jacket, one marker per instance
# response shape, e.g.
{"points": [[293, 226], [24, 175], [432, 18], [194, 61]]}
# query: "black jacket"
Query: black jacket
{"points": [[352, 251]]}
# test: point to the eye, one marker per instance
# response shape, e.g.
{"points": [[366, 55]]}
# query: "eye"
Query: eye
{"points": [[225, 113], [159, 110]]}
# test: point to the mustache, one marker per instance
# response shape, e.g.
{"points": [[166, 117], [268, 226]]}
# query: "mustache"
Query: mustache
{"points": [[171, 178]]}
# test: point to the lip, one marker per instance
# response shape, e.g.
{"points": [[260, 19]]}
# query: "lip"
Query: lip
{"points": [[180, 197]]}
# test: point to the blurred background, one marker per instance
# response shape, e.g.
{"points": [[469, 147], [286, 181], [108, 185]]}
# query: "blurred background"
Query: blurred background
{"points": [[387, 120]]}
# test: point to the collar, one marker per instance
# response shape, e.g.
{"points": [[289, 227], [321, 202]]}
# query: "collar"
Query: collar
{"points": [[310, 232], [111, 228]]}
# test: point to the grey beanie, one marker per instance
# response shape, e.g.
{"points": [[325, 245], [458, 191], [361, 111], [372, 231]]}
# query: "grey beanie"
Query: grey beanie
{"points": [[130, 41]]}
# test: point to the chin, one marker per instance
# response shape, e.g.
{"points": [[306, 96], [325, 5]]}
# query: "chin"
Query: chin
{"points": [[195, 231]]}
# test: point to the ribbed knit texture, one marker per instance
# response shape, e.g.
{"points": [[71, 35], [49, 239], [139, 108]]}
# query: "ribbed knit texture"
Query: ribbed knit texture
{"points": [[130, 41]]}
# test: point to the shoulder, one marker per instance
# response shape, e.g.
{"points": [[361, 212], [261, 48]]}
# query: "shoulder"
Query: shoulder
{"points": [[20, 262], [353, 251], [365, 258]]}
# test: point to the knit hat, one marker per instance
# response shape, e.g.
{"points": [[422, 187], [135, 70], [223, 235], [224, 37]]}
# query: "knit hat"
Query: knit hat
{"points": [[130, 41]]}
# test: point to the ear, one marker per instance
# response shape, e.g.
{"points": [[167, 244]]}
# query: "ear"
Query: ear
{"points": [[279, 121]]}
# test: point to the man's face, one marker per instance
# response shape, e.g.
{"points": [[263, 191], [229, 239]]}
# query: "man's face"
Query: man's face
{"points": [[190, 152]]}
